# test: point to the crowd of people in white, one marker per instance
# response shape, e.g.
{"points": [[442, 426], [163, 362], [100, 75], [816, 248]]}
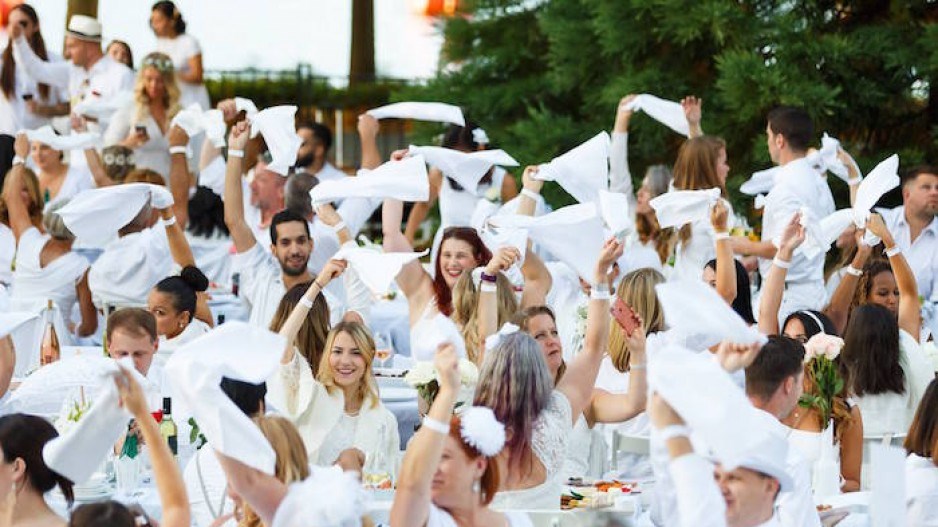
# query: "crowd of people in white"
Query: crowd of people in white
{"points": [[763, 374]]}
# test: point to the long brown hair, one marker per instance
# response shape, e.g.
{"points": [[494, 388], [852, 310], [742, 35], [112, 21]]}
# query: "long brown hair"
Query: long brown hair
{"points": [[292, 462], [465, 309], [637, 289], [38, 45], [311, 339], [444, 295], [923, 433], [696, 169]]}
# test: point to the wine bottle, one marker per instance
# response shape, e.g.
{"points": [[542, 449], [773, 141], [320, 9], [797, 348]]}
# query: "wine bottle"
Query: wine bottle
{"points": [[168, 427], [50, 351]]}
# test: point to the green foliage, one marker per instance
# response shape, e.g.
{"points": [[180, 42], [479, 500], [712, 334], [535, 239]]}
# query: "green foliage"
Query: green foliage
{"points": [[541, 76]]}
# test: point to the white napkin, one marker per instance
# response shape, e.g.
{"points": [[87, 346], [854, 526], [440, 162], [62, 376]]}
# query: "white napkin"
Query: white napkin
{"points": [[694, 309], [614, 207], [213, 176], [428, 333], [304, 504], [887, 483], [760, 182], [103, 108], [678, 207], [47, 136], [245, 105], [668, 113], [879, 181], [238, 351], [10, 321], [420, 111], [583, 171], [195, 121], [466, 168], [820, 236], [573, 234], [277, 125], [405, 180], [77, 454], [825, 159], [96, 215], [375, 268], [495, 238]]}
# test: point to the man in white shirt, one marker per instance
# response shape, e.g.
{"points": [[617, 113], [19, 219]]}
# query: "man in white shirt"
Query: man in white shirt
{"points": [[915, 227], [797, 186], [89, 74], [131, 332], [311, 157], [266, 191]]}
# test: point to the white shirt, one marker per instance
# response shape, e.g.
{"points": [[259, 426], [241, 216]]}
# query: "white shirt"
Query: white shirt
{"points": [[154, 154], [329, 172], [180, 50], [922, 254], [129, 267], [921, 487], [15, 114]]}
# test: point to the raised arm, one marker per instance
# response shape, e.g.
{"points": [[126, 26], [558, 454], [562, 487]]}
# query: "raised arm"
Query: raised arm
{"points": [[854, 177], [234, 200], [95, 165], [411, 505], [608, 407], [89, 315], [291, 327], [179, 179], [910, 314], [577, 383], [263, 492], [774, 287], [620, 179], [537, 279], [53, 73], [169, 483], [368, 128], [487, 309], [838, 309], [12, 195], [726, 264], [420, 209], [693, 111], [178, 245]]}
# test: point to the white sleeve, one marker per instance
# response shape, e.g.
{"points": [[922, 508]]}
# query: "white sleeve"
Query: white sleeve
{"points": [[191, 46], [620, 179], [358, 297], [119, 126], [53, 73], [699, 502]]}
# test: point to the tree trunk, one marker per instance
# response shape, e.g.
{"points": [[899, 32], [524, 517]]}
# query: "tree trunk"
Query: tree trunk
{"points": [[362, 67], [81, 7]]}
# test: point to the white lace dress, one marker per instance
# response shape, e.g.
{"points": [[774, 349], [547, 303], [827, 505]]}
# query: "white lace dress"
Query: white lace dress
{"points": [[551, 432]]}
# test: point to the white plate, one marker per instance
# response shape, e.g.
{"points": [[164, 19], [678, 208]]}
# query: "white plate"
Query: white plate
{"points": [[393, 393]]}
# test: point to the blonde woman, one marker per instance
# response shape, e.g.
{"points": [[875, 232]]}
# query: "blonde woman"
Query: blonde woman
{"points": [[338, 409], [143, 124], [466, 305]]}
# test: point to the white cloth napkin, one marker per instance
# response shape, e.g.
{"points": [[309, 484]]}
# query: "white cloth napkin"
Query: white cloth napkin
{"points": [[694, 309], [614, 207], [77, 454], [375, 268], [879, 181], [11, 320], [466, 168], [47, 136], [405, 180], [103, 108], [678, 207], [277, 125], [245, 105], [573, 234], [495, 238], [428, 333], [238, 351], [583, 171], [195, 121], [96, 215], [668, 113], [420, 111], [760, 182], [304, 504], [818, 240]]}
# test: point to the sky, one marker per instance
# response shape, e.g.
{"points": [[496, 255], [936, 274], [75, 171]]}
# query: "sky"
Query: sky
{"points": [[271, 34]]}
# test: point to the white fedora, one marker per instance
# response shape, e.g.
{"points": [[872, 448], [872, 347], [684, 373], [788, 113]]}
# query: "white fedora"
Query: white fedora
{"points": [[85, 28]]}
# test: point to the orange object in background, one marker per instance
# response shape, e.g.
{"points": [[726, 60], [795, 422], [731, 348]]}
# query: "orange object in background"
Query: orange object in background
{"points": [[5, 7], [441, 7]]}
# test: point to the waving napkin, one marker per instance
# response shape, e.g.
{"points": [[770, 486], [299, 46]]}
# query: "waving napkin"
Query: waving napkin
{"points": [[421, 111], [238, 351], [10, 321], [582, 171], [879, 181], [277, 125], [695, 309], [47, 136], [678, 207], [495, 238], [614, 207], [466, 168], [405, 180], [304, 504], [96, 215], [245, 105], [760, 182], [573, 234], [820, 236], [103, 108], [668, 113], [79, 452], [375, 268], [195, 121], [428, 333]]}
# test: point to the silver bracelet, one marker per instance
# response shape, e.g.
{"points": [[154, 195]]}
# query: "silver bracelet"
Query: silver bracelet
{"points": [[853, 271], [437, 426]]}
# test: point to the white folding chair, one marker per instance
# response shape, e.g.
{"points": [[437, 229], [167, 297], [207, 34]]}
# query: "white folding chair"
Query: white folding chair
{"points": [[627, 444], [887, 439]]}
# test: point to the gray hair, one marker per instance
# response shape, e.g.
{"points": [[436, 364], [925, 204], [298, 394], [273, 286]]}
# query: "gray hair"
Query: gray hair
{"points": [[515, 383], [296, 193], [53, 223], [659, 177]]}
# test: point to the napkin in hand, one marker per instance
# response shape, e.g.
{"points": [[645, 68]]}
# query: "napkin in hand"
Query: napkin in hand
{"points": [[103, 108], [404, 180], [195, 121], [495, 238], [679, 207], [277, 125], [245, 105], [879, 181], [583, 171], [238, 351], [95, 215], [429, 332], [376, 269], [818, 240], [77, 141], [420, 111], [466, 168], [614, 207], [694, 309], [760, 182], [668, 113]]}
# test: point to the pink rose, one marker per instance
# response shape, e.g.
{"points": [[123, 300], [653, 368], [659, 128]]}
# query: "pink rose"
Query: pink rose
{"points": [[823, 345]]}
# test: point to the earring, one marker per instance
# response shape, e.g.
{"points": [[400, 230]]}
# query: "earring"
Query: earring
{"points": [[477, 486]]}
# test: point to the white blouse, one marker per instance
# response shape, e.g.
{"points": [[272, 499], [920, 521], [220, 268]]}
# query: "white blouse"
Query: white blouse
{"points": [[154, 154]]}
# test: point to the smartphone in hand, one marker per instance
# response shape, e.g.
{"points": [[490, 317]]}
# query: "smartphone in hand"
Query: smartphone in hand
{"points": [[141, 130], [625, 316]]}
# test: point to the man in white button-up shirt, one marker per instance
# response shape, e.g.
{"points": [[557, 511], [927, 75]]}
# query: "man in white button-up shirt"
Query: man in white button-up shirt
{"points": [[915, 227]]}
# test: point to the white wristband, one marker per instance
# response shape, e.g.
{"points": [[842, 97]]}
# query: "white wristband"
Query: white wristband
{"points": [[600, 293], [305, 302], [235, 153], [17, 160], [169, 221], [641, 366], [436, 426], [530, 193], [894, 250], [179, 149], [672, 431], [721, 236], [488, 287], [338, 227], [781, 264], [853, 271]]}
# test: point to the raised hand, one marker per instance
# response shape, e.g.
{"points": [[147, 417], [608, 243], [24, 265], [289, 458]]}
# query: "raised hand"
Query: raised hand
{"points": [[877, 226], [399, 155], [504, 258], [21, 145], [131, 394], [608, 256], [693, 110], [229, 110], [238, 137], [528, 181], [623, 113], [446, 364], [368, 126], [793, 235], [328, 215], [332, 270], [734, 357], [718, 216], [177, 136]]}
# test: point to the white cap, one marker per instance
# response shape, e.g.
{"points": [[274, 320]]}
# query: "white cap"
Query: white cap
{"points": [[84, 27]]}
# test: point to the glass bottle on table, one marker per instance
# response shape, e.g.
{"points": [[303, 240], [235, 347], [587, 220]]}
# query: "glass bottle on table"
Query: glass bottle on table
{"points": [[50, 350], [168, 427], [378, 471]]}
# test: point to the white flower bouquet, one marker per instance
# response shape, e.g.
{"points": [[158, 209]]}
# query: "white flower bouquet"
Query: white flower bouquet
{"points": [[423, 378]]}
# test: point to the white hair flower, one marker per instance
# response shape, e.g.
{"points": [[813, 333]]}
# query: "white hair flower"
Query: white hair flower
{"points": [[479, 136], [823, 345], [305, 505], [482, 431], [492, 341]]}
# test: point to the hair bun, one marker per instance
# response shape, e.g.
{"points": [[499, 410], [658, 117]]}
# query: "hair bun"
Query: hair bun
{"points": [[192, 276]]}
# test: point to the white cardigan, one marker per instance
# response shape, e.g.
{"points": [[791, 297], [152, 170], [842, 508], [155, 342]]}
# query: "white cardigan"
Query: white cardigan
{"points": [[301, 398]]}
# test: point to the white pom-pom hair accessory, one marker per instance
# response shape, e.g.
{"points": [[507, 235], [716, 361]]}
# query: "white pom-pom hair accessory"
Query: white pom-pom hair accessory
{"points": [[482, 431], [306, 503]]}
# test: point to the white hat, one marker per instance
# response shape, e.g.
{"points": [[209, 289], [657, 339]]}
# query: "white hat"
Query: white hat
{"points": [[84, 28]]}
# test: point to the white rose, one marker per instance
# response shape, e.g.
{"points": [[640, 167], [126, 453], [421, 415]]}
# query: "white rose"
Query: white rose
{"points": [[468, 373], [422, 373]]}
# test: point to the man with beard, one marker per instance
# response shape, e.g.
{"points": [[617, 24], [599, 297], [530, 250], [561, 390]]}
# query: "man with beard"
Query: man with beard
{"points": [[915, 227], [311, 157]]}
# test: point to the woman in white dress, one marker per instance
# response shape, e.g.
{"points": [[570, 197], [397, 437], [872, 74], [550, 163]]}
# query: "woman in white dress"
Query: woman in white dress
{"points": [[921, 465], [449, 475], [515, 382], [184, 50], [27, 189], [142, 125], [174, 301], [339, 408], [57, 180]]}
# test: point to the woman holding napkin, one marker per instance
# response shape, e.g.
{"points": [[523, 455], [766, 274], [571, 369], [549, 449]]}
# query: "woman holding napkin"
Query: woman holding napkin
{"points": [[57, 180], [339, 408]]}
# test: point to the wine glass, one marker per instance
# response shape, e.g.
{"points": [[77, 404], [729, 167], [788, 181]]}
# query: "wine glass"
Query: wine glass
{"points": [[384, 349]]}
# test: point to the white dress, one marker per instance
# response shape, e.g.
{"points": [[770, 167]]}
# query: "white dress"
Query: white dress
{"points": [[154, 154], [77, 179], [921, 487], [690, 258], [440, 518], [7, 250], [551, 433], [180, 50]]}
